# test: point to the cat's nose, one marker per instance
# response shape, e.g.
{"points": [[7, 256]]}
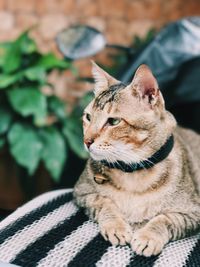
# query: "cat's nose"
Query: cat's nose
{"points": [[88, 142]]}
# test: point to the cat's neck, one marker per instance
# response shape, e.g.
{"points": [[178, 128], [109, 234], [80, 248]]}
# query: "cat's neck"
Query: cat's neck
{"points": [[157, 157]]}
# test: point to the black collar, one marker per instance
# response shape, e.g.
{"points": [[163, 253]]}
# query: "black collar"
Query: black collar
{"points": [[157, 157]]}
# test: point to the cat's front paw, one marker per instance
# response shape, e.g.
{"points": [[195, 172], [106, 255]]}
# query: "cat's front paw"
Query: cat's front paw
{"points": [[117, 232], [147, 243]]}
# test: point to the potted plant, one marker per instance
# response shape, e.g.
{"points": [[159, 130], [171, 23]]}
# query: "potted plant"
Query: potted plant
{"points": [[35, 129]]}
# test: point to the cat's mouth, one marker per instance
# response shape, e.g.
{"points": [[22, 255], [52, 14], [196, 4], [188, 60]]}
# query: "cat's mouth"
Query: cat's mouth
{"points": [[95, 153]]}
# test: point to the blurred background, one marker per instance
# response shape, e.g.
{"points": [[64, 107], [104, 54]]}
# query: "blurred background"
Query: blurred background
{"points": [[43, 93], [119, 20]]}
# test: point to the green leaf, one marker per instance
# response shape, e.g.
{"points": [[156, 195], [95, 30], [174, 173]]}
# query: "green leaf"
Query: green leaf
{"points": [[57, 107], [36, 74], [27, 45], [54, 151], [3, 50], [25, 146], [72, 130], [2, 142], [7, 80], [12, 59], [23, 45], [50, 61], [29, 101], [5, 119]]}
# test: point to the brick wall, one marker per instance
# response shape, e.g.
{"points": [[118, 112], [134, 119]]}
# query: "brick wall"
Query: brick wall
{"points": [[118, 19]]}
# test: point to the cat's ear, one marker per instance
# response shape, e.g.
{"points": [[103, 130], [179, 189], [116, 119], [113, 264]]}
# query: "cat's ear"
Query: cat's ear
{"points": [[145, 84], [102, 79]]}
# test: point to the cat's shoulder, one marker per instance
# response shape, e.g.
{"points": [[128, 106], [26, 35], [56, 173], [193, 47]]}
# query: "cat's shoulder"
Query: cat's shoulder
{"points": [[187, 137]]}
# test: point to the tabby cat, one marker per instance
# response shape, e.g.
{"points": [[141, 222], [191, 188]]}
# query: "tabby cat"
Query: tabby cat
{"points": [[142, 180]]}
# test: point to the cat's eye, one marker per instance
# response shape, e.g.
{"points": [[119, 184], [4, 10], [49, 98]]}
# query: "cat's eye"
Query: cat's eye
{"points": [[113, 121], [88, 116]]}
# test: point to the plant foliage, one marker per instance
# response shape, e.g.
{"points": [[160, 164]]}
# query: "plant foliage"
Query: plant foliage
{"points": [[25, 109]]}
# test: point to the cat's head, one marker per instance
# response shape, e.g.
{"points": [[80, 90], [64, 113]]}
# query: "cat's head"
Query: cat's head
{"points": [[126, 122]]}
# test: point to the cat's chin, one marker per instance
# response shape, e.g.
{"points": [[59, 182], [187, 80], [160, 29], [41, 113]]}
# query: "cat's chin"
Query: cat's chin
{"points": [[96, 157], [101, 158]]}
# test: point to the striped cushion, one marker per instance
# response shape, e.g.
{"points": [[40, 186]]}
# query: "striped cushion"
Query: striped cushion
{"points": [[50, 231]]}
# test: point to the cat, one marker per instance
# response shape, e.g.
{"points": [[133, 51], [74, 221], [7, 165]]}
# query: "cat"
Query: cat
{"points": [[142, 180]]}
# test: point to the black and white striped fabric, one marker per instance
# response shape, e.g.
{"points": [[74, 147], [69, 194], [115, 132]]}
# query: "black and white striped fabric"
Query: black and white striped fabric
{"points": [[50, 231]]}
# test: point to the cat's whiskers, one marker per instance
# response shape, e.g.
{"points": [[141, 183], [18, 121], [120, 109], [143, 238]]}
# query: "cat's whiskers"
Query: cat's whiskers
{"points": [[126, 156], [110, 159], [121, 152]]}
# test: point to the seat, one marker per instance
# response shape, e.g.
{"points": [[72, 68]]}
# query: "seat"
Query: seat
{"points": [[51, 231]]}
